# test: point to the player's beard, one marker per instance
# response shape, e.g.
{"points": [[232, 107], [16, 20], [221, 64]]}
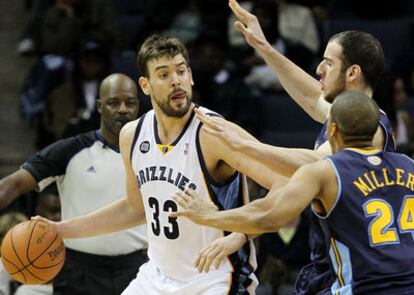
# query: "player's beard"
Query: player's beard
{"points": [[339, 88], [168, 110]]}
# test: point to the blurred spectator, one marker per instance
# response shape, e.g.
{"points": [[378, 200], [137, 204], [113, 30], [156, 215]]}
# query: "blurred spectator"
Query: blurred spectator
{"points": [[56, 29], [235, 38], [70, 106], [260, 74], [298, 27], [208, 65], [283, 254], [31, 32], [48, 203], [141, 18], [214, 15], [290, 28], [220, 87], [391, 97], [186, 26], [44, 76], [8, 220]]}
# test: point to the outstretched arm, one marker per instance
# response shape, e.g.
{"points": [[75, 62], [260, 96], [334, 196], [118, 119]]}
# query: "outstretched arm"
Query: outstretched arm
{"points": [[15, 185], [122, 214], [301, 86], [218, 152], [252, 154], [265, 215]]}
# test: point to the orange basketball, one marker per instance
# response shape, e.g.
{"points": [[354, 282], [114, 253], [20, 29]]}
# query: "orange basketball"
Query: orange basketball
{"points": [[32, 252]]}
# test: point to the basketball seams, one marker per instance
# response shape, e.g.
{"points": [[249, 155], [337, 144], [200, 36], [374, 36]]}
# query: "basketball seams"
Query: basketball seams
{"points": [[28, 273], [29, 242], [14, 248], [49, 266], [40, 255], [18, 268], [24, 267]]}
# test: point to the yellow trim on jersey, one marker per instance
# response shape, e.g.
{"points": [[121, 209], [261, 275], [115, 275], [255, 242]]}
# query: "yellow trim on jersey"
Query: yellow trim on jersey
{"points": [[339, 262], [164, 148], [365, 152]]}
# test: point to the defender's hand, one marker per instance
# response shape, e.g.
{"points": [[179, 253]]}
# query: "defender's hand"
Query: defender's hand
{"points": [[194, 207], [220, 128], [248, 25]]}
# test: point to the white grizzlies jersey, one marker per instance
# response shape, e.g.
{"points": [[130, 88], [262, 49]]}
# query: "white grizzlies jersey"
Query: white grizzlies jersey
{"points": [[161, 170]]}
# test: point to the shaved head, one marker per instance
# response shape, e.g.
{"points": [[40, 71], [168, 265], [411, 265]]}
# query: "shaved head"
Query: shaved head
{"points": [[115, 83], [356, 115], [118, 104]]}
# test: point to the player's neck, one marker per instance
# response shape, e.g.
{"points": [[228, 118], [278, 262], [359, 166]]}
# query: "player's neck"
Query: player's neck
{"points": [[361, 87], [360, 144], [169, 128]]}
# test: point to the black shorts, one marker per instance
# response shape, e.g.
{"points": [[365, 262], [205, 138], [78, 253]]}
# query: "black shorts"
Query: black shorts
{"points": [[88, 274]]}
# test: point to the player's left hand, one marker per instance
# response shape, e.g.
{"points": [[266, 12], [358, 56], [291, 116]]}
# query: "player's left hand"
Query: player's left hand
{"points": [[217, 250], [194, 207]]}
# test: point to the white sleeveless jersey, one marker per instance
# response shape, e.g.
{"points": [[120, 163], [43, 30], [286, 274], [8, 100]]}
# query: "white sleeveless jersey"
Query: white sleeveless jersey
{"points": [[161, 171]]}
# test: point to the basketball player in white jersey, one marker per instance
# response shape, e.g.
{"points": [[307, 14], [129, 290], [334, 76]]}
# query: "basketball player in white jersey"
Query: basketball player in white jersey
{"points": [[165, 150]]}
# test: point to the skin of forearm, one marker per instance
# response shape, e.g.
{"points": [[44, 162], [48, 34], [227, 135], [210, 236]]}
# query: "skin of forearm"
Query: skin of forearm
{"points": [[282, 161], [264, 215], [11, 188], [246, 219], [117, 216], [8, 193]]}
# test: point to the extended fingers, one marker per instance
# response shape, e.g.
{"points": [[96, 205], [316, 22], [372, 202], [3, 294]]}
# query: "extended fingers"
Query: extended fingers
{"points": [[182, 199], [206, 257], [207, 120], [219, 259], [239, 11]]}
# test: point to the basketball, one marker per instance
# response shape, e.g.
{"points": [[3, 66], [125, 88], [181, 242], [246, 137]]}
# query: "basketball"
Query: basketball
{"points": [[32, 252]]}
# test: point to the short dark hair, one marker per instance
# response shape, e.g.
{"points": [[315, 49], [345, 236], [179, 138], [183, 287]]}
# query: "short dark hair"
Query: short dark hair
{"points": [[356, 115], [362, 49], [157, 46]]}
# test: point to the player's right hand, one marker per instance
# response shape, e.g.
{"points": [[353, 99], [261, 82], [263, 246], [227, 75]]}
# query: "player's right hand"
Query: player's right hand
{"points": [[42, 219], [249, 26], [194, 208]]}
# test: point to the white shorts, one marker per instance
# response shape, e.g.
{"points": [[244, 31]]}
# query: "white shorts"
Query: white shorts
{"points": [[150, 281]]}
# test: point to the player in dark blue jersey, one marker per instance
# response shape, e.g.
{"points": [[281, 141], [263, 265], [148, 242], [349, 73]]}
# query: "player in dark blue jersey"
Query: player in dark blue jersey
{"points": [[353, 60], [362, 195]]}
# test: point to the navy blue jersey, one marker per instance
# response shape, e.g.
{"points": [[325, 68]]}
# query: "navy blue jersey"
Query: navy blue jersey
{"points": [[318, 275], [384, 122], [371, 223]]}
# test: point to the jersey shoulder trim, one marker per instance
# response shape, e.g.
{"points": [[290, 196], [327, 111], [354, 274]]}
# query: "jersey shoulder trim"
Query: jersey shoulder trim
{"points": [[136, 134]]}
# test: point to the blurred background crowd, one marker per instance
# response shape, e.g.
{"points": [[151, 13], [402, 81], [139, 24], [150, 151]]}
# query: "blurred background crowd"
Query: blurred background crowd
{"points": [[54, 54]]}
